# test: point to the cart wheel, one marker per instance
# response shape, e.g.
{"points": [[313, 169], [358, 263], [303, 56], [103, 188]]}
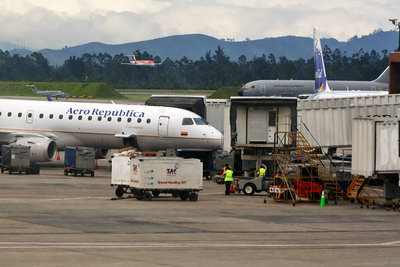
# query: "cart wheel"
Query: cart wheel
{"points": [[139, 194], [249, 189], [2, 170], [82, 173], [65, 172], [147, 196], [193, 196], [155, 193], [91, 173], [119, 192], [175, 194], [184, 195], [75, 173]]}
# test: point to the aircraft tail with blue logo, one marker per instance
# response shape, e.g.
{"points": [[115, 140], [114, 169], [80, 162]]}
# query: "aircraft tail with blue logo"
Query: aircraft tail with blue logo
{"points": [[321, 82]]}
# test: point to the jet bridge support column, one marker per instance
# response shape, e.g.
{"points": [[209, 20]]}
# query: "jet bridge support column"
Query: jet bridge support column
{"points": [[394, 73]]}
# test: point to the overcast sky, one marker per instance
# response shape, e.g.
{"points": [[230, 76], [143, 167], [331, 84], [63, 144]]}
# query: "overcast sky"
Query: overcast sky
{"points": [[57, 23]]}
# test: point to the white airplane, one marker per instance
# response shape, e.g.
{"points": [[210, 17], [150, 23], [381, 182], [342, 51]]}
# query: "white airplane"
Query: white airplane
{"points": [[50, 126], [321, 82], [136, 62], [48, 94]]}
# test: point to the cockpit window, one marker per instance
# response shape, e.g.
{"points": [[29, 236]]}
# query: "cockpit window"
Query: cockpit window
{"points": [[200, 121], [187, 121]]}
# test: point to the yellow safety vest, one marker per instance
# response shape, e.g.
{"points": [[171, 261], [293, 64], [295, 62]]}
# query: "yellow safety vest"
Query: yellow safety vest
{"points": [[228, 176], [262, 172]]}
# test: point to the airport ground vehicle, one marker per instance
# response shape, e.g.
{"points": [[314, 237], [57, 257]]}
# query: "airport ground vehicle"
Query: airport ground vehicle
{"points": [[16, 158], [298, 190], [147, 177], [251, 185], [79, 160]]}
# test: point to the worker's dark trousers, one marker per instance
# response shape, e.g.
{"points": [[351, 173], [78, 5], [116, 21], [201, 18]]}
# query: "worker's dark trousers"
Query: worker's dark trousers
{"points": [[227, 187]]}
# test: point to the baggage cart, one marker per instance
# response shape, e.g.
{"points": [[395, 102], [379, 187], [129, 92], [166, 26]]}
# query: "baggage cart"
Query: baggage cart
{"points": [[147, 177], [79, 160], [16, 158]]}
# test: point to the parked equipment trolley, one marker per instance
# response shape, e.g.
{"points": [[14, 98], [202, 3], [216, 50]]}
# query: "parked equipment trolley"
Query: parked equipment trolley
{"points": [[16, 158], [147, 177], [79, 160]]}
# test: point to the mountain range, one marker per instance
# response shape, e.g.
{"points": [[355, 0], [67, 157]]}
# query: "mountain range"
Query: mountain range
{"points": [[195, 46]]}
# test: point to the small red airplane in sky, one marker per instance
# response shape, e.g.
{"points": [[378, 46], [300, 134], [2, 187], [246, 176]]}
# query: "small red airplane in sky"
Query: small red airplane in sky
{"points": [[136, 62]]}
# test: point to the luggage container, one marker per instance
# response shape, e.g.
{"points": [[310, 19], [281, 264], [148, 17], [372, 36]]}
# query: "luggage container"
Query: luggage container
{"points": [[16, 158], [79, 160], [147, 177]]}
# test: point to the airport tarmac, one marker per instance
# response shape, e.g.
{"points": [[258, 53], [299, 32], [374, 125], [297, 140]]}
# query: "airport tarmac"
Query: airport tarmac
{"points": [[56, 220]]}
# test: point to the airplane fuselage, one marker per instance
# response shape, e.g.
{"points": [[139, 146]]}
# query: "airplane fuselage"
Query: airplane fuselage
{"points": [[105, 125]]}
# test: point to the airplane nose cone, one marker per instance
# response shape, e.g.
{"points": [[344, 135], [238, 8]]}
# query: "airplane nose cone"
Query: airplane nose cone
{"points": [[240, 92]]}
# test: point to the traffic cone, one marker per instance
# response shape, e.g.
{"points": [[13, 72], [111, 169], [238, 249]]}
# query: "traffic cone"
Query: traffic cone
{"points": [[322, 204], [58, 156], [231, 189], [95, 165]]}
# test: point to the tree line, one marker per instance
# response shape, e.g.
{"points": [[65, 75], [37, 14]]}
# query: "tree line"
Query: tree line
{"points": [[212, 71]]}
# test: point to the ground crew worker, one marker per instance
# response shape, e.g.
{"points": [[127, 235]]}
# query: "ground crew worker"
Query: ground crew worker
{"points": [[228, 180], [262, 171]]}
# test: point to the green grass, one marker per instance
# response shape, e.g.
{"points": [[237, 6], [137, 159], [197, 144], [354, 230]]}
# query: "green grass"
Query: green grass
{"points": [[224, 93], [78, 90]]}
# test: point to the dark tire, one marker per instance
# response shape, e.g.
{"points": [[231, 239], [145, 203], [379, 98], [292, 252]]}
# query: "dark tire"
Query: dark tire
{"points": [[65, 172], [155, 193], [139, 194], [147, 196], [193, 196], [75, 173], [2, 170], [91, 173], [175, 194], [82, 173], [184, 195], [249, 189], [119, 192]]}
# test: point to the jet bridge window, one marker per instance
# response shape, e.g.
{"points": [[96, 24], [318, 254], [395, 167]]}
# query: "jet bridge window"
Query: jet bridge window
{"points": [[187, 121], [200, 121]]}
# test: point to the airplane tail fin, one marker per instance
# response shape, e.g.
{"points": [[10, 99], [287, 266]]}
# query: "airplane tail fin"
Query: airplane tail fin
{"points": [[321, 82], [384, 77], [33, 88]]}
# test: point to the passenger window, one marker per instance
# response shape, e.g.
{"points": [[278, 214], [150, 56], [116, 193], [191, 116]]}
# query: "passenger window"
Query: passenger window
{"points": [[80, 117], [200, 121], [60, 117], [119, 119], [187, 121], [109, 118], [89, 118], [51, 116], [0, 113], [148, 120], [70, 117], [20, 114], [99, 118], [139, 120], [129, 120], [9, 114], [30, 115], [40, 115]]}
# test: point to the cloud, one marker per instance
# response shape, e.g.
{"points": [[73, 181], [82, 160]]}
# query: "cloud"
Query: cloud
{"points": [[55, 23]]}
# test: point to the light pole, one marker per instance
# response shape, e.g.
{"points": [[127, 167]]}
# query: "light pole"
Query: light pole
{"points": [[397, 25]]}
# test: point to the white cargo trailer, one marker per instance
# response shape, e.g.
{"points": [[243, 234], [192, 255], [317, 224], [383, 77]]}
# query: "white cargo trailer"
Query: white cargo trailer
{"points": [[146, 177]]}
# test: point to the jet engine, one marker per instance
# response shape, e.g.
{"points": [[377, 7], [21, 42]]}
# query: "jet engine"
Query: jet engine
{"points": [[102, 153], [42, 149]]}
